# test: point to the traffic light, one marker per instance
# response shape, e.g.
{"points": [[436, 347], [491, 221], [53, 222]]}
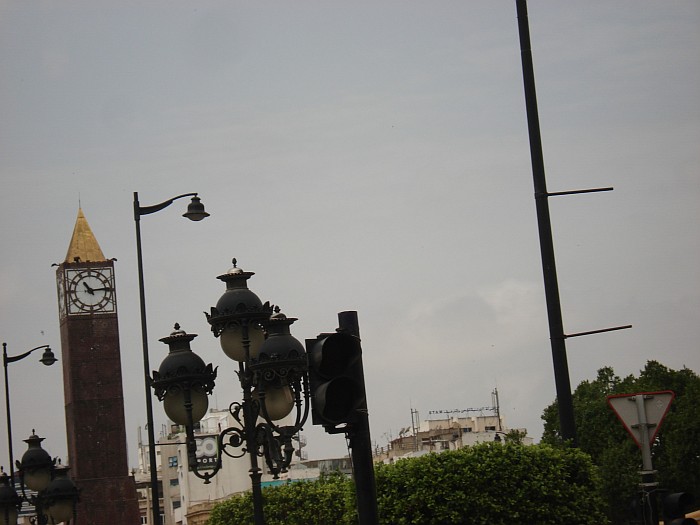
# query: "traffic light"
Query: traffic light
{"points": [[337, 380], [675, 506]]}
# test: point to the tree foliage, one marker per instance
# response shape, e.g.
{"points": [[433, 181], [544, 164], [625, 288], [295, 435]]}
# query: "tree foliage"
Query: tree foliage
{"points": [[327, 500], [489, 483], [675, 452]]}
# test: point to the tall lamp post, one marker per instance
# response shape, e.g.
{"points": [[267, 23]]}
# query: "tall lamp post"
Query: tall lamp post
{"points": [[195, 212], [48, 358], [272, 370]]}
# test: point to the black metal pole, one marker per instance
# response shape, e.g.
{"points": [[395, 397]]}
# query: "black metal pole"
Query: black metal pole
{"points": [[7, 412], [361, 447], [551, 286], [41, 518], [195, 214], [250, 417], [155, 499]]}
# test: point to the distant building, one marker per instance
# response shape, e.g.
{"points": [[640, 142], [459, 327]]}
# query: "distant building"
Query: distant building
{"points": [[142, 476], [444, 431], [182, 489]]}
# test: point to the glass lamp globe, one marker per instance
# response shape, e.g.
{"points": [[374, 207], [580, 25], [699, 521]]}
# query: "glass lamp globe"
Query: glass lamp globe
{"points": [[174, 405], [61, 511], [231, 341], [37, 479], [279, 401]]}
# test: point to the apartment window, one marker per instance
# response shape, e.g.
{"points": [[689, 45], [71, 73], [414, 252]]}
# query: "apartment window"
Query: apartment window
{"points": [[176, 504], [172, 461], [490, 429], [174, 482]]}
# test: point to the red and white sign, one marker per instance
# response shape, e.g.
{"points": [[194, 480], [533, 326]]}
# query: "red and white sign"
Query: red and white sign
{"points": [[656, 405]]}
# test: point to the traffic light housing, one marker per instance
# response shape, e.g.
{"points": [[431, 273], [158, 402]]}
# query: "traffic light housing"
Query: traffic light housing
{"points": [[675, 505], [336, 379]]}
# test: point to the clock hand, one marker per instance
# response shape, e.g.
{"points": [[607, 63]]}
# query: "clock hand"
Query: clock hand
{"points": [[88, 289], [104, 289]]}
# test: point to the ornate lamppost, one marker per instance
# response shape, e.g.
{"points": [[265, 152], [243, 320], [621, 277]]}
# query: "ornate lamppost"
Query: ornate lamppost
{"points": [[10, 502], [272, 370], [195, 212], [52, 494]]}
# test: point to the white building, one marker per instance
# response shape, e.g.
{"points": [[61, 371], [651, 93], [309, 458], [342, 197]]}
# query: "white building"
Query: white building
{"points": [[446, 431], [182, 489]]}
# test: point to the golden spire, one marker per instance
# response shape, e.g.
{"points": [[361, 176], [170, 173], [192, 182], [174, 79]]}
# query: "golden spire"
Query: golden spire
{"points": [[83, 245]]}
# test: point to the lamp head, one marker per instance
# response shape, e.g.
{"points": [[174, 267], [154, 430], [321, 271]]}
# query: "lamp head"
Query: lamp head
{"points": [[195, 210], [60, 496], [238, 316], [281, 354], [279, 368], [36, 465], [47, 357], [183, 379]]}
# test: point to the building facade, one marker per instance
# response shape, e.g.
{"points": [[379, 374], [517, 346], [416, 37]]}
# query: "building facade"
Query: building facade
{"points": [[185, 499], [447, 432]]}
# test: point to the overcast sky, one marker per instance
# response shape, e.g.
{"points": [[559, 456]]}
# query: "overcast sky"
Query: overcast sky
{"points": [[368, 156]]}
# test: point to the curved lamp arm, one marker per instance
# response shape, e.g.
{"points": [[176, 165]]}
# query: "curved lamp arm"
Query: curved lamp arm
{"points": [[48, 358], [146, 210]]}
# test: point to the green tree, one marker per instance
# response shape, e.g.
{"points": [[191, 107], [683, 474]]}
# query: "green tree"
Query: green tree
{"points": [[491, 483], [675, 453], [515, 436]]}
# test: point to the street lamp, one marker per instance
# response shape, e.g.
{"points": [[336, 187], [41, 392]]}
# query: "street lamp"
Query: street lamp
{"points": [[272, 370], [47, 359], [10, 502], [195, 212], [54, 495]]}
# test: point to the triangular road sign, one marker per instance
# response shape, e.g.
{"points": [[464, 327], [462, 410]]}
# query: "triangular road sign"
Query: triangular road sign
{"points": [[656, 405]]}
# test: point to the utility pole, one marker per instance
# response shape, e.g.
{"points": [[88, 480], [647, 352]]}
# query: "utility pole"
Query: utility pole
{"points": [[549, 270]]}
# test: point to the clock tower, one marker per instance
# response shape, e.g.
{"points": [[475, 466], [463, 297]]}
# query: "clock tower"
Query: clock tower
{"points": [[92, 382]]}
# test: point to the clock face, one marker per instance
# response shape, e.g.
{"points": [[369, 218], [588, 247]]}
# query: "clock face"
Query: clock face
{"points": [[90, 290]]}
